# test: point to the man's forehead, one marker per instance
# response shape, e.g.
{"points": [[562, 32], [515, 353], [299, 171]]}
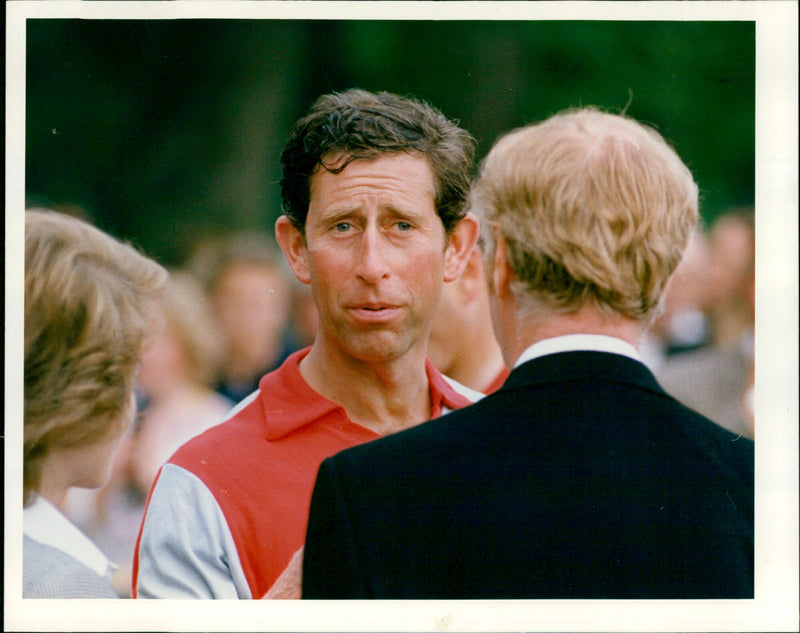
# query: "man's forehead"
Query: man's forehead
{"points": [[404, 172], [336, 161]]}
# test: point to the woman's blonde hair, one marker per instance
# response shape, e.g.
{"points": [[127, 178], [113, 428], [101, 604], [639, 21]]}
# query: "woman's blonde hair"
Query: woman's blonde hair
{"points": [[594, 207], [90, 309]]}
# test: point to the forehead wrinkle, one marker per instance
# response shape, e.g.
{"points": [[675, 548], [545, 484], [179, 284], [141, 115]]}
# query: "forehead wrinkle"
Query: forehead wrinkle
{"points": [[355, 197], [373, 186], [382, 173]]}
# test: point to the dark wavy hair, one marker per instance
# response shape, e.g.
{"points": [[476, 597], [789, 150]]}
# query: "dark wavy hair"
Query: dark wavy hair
{"points": [[357, 124]]}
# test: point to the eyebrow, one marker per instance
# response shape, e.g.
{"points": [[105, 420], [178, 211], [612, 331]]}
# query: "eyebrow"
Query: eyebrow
{"points": [[333, 215]]}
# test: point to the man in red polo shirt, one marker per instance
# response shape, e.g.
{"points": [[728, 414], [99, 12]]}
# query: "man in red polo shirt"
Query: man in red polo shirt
{"points": [[373, 188]]}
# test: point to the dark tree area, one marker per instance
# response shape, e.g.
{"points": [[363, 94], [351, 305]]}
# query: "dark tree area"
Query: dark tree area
{"points": [[164, 130]]}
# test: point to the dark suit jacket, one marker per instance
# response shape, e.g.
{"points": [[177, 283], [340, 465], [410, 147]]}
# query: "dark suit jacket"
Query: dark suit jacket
{"points": [[579, 478]]}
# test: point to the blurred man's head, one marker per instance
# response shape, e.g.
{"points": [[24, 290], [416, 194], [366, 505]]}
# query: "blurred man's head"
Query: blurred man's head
{"points": [[733, 244], [462, 344], [250, 290]]}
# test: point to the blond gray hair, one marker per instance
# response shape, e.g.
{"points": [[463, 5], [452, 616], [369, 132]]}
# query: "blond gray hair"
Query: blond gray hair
{"points": [[594, 207]]}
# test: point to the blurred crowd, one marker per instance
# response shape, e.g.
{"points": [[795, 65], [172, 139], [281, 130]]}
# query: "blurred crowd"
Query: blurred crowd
{"points": [[233, 312], [701, 348]]}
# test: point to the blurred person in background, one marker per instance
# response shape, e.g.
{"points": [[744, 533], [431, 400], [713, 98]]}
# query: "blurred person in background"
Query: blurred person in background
{"points": [[176, 402], [250, 289], [176, 379], [580, 477], [718, 380], [683, 324], [732, 283], [462, 344], [91, 307], [374, 187]]}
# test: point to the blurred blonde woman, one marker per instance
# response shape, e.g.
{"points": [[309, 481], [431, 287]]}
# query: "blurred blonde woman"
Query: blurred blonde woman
{"points": [[90, 311], [176, 379]]}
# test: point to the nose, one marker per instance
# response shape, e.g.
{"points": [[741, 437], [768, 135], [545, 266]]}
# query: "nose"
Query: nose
{"points": [[371, 263]]}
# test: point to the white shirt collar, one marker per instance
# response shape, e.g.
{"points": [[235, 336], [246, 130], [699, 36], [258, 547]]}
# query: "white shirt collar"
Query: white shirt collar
{"points": [[44, 523], [579, 342]]}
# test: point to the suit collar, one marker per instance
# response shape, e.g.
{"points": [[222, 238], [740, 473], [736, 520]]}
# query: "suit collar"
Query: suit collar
{"points": [[582, 365], [579, 343]]}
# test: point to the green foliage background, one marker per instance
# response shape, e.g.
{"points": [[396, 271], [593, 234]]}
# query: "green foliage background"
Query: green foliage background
{"points": [[165, 130]]}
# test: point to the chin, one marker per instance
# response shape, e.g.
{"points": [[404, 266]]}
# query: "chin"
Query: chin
{"points": [[92, 484], [378, 351], [95, 482]]}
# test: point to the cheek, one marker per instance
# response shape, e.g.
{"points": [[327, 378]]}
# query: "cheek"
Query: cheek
{"points": [[329, 275], [95, 463], [425, 279], [324, 296], [130, 416]]}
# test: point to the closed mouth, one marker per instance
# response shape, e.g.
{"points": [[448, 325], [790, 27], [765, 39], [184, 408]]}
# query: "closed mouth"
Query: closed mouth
{"points": [[368, 310]]}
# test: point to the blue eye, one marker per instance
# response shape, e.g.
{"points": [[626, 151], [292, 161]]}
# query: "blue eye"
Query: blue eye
{"points": [[341, 227], [404, 226]]}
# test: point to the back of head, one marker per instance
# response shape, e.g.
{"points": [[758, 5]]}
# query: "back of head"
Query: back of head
{"points": [[356, 124], [90, 308], [594, 208]]}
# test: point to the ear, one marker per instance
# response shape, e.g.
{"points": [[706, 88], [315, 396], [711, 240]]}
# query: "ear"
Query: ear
{"points": [[459, 247], [472, 281], [501, 270], [294, 248]]}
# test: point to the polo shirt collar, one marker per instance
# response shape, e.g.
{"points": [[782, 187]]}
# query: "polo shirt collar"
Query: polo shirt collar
{"points": [[444, 396], [290, 403]]}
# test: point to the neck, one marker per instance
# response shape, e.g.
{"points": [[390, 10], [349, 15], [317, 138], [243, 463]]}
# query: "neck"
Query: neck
{"points": [[53, 489], [588, 319], [478, 366], [384, 396]]}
